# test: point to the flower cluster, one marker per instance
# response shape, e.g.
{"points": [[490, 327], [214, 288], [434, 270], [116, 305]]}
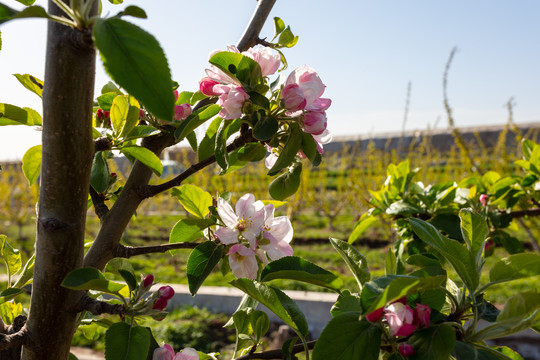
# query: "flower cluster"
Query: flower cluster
{"points": [[153, 305], [181, 111], [402, 321], [166, 352], [253, 231], [165, 293], [299, 98]]}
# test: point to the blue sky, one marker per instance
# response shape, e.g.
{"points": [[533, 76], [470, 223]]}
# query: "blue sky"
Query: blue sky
{"points": [[366, 52]]}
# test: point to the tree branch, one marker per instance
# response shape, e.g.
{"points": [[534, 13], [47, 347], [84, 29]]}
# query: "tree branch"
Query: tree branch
{"points": [[96, 307], [124, 251], [251, 34], [523, 213], [99, 204], [15, 336], [152, 190], [276, 354]]}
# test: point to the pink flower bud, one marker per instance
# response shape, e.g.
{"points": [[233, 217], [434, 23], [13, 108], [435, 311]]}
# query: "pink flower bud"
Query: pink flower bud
{"points": [[182, 111], [405, 349], [484, 199], [106, 114], [231, 101], [99, 114], [148, 279], [400, 319], [160, 304], [166, 292], [292, 98], [375, 315], [175, 95], [266, 58], [421, 315], [314, 122], [206, 85], [165, 352]]}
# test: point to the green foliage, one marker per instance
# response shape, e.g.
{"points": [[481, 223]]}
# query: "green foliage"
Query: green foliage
{"points": [[123, 341], [201, 262]]}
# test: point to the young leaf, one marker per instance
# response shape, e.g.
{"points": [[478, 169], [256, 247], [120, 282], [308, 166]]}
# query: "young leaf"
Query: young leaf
{"points": [[14, 115], [347, 338], [245, 69], [295, 268], [99, 176], [125, 342], [362, 225], [195, 200], [514, 267], [135, 60], [355, 261], [457, 255], [32, 164], [7, 13], [346, 302], [123, 268], [252, 152], [265, 127], [277, 302], [195, 120], [222, 157], [474, 230], [187, 230], [92, 279], [31, 83], [279, 26], [519, 306], [288, 154], [134, 11], [124, 114], [11, 256], [201, 262], [145, 156]]}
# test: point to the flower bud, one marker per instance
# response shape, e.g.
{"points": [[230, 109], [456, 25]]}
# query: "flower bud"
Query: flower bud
{"points": [[175, 92], [148, 280], [292, 98], [166, 292], [206, 85], [484, 199], [405, 349], [314, 122], [160, 304], [182, 111], [421, 315], [99, 114], [375, 315]]}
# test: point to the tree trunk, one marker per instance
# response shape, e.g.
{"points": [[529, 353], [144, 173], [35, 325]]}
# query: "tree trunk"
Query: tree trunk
{"points": [[65, 172]]}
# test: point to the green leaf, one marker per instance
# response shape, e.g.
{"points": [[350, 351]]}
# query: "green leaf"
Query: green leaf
{"points": [[507, 327], [279, 26], [201, 262], [519, 306], [11, 256], [31, 83], [457, 255], [134, 11], [188, 230], [195, 200], [145, 156], [222, 156], [514, 267], [111, 87], [347, 338], [125, 342], [362, 225], [390, 263], [434, 343], [474, 230], [123, 268], [14, 115], [141, 131], [9, 311], [402, 207], [241, 67], [196, 119], [8, 294], [105, 100], [207, 145], [99, 176], [32, 164], [92, 279], [355, 261], [403, 286], [27, 2], [135, 60], [288, 154], [7, 13], [124, 114], [287, 38], [346, 302], [286, 184], [277, 302], [252, 152], [467, 351], [309, 148], [265, 127], [295, 268]]}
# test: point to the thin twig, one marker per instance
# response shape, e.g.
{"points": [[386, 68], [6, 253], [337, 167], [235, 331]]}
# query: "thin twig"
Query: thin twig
{"points": [[99, 204], [96, 307], [277, 354], [124, 251], [523, 213], [152, 190]]}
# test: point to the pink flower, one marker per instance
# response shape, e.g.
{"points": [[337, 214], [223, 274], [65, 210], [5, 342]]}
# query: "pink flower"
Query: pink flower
{"points": [[231, 100], [314, 122], [405, 349], [206, 85], [266, 58], [322, 139], [484, 199], [165, 352], [247, 221], [374, 316], [400, 319], [182, 111], [243, 262], [421, 315], [160, 304], [100, 114], [166, 292], [292, 98], [309, 83], [277, 234], [148, 280], [187, 354]]}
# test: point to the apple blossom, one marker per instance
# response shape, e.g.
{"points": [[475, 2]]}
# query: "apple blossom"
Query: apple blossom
{"points": [[165, 352], [265, 57], [314, 122], [374, 316], [187, 354], [160, 304], [247, 221], [243, 262], [278, 233], [400, 319], [206, 86], [166, 292], [322, 139], [231, 100], [182, 111], [308, 81], [292, 98], [421, 315], [405, 349], [148, 280]]}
